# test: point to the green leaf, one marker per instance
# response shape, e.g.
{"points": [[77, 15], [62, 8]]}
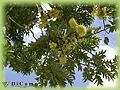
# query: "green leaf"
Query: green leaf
{"points": [[111, 22], [89, 31], [106, 40], [112, 29], [108, 25], [39, 58]]}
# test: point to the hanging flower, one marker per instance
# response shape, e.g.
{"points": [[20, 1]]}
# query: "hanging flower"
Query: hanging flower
{"points": [[43, 22], [99, 11], [65, 38], [74, 40], [72, 23], [69, 46], [62, 59], [52, 45], [55, 13], [81, 30], [95, 11]]}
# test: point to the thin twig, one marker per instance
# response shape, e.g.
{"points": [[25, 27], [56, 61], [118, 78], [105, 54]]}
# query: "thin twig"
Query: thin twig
{"points": [[21, 26], [33, 34], [42, 31], [39, 13], [104, 27], [94, 33], [45, 59], [9, 10], [16, 22]]}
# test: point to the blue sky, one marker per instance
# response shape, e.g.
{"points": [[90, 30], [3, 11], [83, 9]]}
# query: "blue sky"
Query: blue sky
{"points": [[12, 76]]}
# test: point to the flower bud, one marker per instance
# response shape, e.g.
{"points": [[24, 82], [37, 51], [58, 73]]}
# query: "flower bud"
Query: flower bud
{"points": [[52, 45], [62, 59], [81, 30], [72, 23]]}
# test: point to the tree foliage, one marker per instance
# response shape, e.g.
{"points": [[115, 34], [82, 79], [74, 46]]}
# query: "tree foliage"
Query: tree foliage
{"points": [[63, 44]]}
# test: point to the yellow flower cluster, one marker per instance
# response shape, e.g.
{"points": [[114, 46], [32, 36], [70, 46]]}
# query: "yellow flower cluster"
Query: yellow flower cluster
{"points": [[80, 29], [74, 40], [62, 59], [55, 13], [99, 11], [43, 22], [66, 47], [53, 45], [72, 23], [69, 43]]}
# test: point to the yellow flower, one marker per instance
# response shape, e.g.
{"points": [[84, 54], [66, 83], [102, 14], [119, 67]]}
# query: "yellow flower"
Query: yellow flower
{"points": [[62, 59], [101, 13], [98, 11], [43, 24], [81, 30], [72, 23], [94, 12], [74, 40], [68, 46], [65, 37], [52, 45], [55, 13]]}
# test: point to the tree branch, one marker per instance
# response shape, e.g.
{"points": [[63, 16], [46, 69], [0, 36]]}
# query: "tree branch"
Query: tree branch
{"points": [[21, 26], [33, 34], [104, 27], [95, 33], [15, 22], [42, 31], [9, 10]]}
